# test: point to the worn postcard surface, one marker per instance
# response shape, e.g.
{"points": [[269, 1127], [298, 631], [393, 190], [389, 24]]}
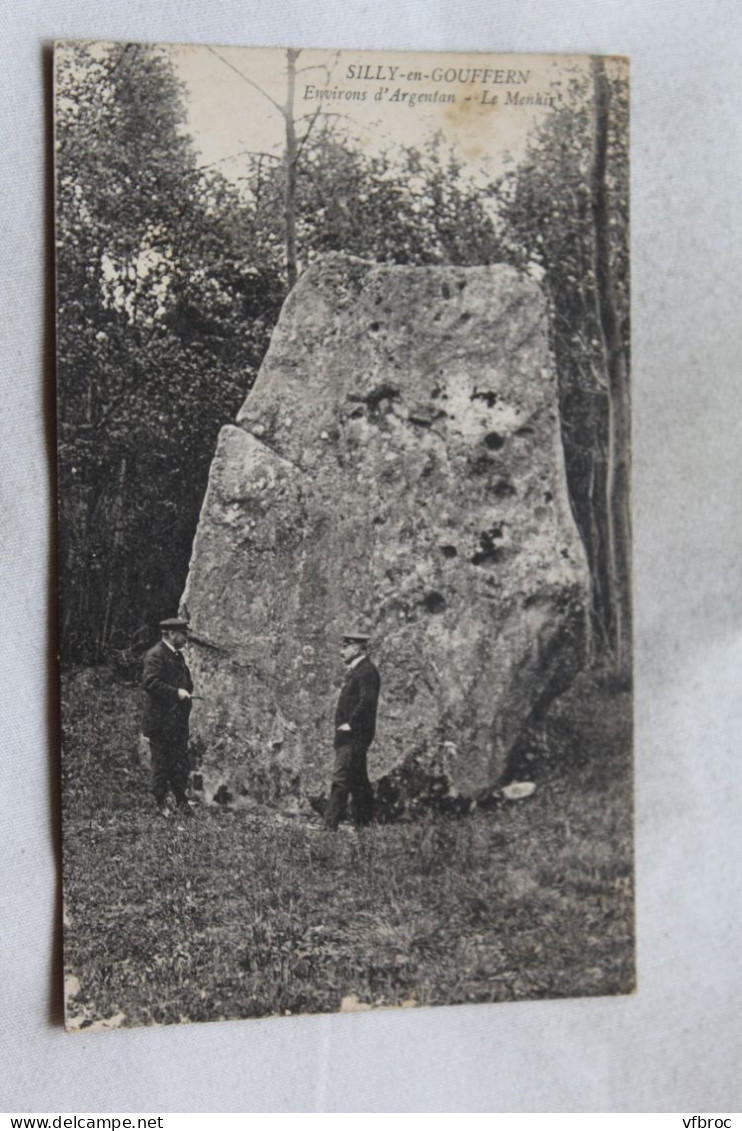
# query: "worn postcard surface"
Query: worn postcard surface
{"points": [[343, 384]]}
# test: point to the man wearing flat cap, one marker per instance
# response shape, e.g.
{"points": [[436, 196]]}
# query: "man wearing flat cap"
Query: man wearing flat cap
{"points": [[168, 686], [355, 726]]}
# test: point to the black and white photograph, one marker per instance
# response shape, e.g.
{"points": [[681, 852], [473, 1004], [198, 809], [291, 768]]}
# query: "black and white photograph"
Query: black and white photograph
{"points": [[343, 441]]}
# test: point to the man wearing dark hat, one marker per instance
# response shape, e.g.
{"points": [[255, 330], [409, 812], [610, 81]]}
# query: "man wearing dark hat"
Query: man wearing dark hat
{"points": [[168, 685], [355, 726]]}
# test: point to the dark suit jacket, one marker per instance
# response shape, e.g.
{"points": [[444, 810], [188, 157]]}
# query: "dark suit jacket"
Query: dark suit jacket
{"points": [[165, 716], [357, 705]]}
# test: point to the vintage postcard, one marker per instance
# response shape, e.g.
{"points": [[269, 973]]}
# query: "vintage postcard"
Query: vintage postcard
{"points": [[344, 522]]}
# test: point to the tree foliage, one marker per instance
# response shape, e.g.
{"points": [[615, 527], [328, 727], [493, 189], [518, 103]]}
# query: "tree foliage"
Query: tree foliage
{"points": [[413, 207], [163, 318], [402, 206]]}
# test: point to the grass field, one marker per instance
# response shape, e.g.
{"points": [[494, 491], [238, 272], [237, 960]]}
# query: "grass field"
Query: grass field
{"points": [[245, 914]]}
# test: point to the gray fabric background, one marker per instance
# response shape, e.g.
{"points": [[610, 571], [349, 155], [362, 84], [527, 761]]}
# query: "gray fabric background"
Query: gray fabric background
{"points": [[676, 1044]]}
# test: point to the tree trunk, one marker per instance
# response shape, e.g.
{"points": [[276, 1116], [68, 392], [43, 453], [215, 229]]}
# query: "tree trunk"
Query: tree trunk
{"points": [[617, 459], [291, 159]]}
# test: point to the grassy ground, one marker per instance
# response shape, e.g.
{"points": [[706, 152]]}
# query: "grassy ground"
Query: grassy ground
{"points": [[236, 914]]}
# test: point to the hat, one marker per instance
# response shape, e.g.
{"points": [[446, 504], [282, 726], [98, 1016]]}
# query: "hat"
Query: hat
{"points": [[356, 636], [174, 622]]}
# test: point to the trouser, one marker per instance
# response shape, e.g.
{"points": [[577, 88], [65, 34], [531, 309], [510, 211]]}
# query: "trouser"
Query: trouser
{"points": [[350, 776], [169, 768]]}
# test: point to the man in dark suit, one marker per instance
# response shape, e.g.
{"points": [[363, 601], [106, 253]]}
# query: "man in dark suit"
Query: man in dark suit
{"points": [[355, 726], [168, 686]]}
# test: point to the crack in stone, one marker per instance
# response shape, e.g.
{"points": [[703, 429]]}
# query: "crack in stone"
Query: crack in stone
{"points": [[270, 447]]}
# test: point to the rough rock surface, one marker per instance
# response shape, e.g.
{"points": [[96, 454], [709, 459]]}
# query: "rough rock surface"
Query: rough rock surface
{"points": [[397, 464]]}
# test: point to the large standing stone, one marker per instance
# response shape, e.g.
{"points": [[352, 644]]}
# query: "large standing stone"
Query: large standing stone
{"points": [[398, 463]]}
